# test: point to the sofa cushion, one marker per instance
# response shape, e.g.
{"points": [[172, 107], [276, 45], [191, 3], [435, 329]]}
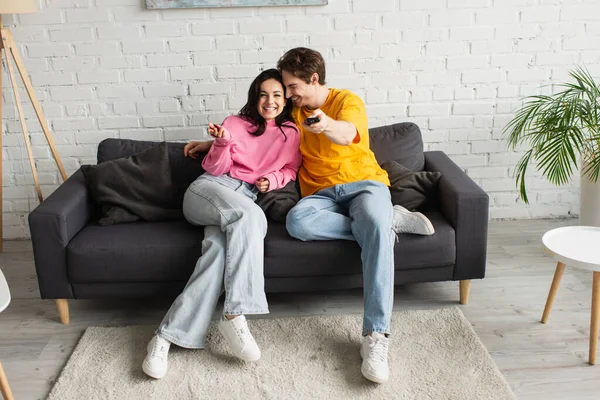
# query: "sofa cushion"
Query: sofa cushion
{"points": [[287, 257], [408, 188], [138, 187], [399, 142], [168, 251], [136, 252], [184, 170]]}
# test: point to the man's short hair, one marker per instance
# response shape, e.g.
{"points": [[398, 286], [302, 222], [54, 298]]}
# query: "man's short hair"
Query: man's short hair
{"points": [[303, 63]]}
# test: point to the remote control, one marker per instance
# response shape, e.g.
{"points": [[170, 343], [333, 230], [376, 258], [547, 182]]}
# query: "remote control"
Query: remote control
{"points": [[310, 121]]}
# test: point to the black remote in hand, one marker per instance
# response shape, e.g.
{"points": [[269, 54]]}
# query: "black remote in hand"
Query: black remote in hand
{"points": [[310, 121]]}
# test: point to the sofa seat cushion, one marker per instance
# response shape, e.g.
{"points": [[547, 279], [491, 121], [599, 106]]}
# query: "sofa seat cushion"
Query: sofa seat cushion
{"points": [[136, 252], [287, 257], [168, 251]]}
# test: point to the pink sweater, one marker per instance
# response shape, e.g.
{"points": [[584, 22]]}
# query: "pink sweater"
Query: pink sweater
{"points": [[247, 157]]}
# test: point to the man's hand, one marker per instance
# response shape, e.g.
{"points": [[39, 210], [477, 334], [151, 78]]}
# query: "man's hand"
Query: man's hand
{"points": [[339, 132], [320, 126], [193, 148], [262, 184], [215, 130]]}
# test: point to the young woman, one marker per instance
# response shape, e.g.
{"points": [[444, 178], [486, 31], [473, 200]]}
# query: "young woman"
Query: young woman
{"points": [[255, 151]]}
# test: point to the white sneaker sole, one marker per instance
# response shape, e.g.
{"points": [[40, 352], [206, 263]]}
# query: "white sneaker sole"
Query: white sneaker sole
{"points": [[248, 358], [371, 377], [152, 373]]}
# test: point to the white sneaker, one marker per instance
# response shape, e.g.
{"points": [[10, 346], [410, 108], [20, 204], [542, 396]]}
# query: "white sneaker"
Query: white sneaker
{"points": [[155, 364], [411, 222], [240, 340], [374, 352]]}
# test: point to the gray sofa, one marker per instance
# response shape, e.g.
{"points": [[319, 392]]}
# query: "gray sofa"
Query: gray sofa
{"points": [[76, 258]]}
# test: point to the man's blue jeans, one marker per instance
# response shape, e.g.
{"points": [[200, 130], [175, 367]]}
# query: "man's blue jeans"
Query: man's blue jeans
{"points": [[360, 211]]}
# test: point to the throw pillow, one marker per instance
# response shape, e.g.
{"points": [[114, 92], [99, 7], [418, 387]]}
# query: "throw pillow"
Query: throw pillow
{"points": [[277, 203], [134, 188], [410, 189]]}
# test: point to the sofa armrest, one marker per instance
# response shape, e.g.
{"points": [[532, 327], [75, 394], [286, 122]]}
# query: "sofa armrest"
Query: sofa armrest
{"points": [[466, 206], [53, 224]]}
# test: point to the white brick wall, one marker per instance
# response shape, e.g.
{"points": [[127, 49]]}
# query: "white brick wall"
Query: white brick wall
{"points": [[457, 68]]}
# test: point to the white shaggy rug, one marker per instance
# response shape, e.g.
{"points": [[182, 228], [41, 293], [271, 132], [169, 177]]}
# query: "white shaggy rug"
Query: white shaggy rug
{"points": [[434, 354]]}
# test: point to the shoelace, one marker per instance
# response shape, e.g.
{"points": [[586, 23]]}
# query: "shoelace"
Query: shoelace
{"points": [[243, 331], [379, 349], [159, 350]]}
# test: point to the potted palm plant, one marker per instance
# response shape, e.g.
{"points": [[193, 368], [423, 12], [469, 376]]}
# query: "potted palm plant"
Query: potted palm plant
{"points": [[562, 134]]}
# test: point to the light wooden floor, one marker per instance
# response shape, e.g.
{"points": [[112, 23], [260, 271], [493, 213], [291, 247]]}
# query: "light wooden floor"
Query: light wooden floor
{"points": [[539, 361]]}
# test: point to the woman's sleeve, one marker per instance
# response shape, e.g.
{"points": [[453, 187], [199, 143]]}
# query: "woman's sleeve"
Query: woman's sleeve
{"points": [[218, 160], [278, 179]]}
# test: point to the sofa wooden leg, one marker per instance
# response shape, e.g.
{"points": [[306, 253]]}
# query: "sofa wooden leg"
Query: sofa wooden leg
{"points": [[63, 310], [465, 287]]}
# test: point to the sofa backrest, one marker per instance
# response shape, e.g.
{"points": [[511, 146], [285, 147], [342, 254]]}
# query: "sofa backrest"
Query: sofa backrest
{"points": [[184, 170], [400, 142]]}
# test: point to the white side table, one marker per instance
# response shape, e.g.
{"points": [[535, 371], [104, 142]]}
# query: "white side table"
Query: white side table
{"points": [[579, 247], [4, 300]]}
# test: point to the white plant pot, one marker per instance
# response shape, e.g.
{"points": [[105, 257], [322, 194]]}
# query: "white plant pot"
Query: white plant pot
{"points": [[589, 200]]}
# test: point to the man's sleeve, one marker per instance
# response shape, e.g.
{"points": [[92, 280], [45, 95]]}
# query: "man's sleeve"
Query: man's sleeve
{"points": [[354, 111]]}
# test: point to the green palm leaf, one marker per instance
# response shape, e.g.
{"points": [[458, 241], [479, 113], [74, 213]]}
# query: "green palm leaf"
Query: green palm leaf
{"points": [[558, 129]]}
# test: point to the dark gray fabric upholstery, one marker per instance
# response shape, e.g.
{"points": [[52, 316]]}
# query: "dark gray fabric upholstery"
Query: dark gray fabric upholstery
{"points": [[410, 189], [76, 259], [53, 224], [134, 188], [341, 257], [272, 285], [126, 253], [466, 206], [399, 142], [183, 169], [150, 251], [277, 203]]}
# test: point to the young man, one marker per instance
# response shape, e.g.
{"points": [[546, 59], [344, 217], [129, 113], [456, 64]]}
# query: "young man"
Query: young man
{"points": [[346, 193]]}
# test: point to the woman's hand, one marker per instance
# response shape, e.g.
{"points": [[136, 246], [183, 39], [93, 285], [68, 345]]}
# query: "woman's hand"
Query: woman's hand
{"points": [[262, 184], [215, 130], [193, 148]]}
